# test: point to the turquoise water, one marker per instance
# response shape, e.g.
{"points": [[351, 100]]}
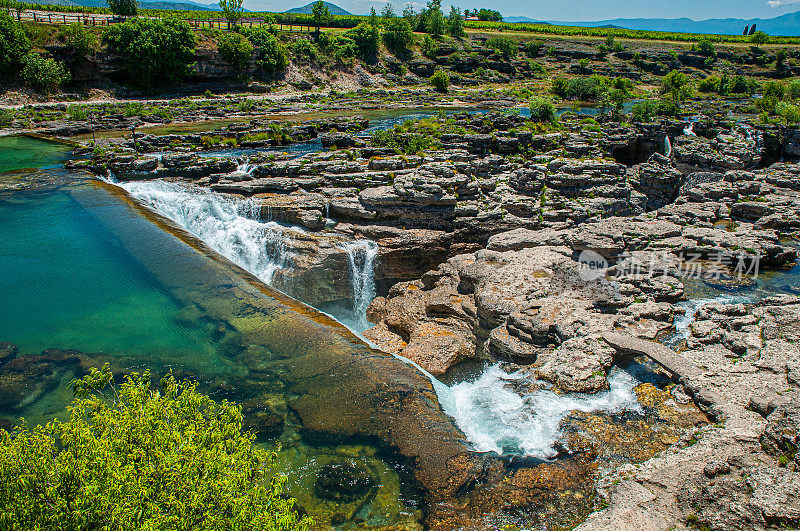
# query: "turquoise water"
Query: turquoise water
{"points": [[68, 284], [22, 152]]}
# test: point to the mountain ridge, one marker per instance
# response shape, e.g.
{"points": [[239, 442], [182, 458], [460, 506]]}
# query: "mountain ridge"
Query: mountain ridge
{"points": [[783, 25]]}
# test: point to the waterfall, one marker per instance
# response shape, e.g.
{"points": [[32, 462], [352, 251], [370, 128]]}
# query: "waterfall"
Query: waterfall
{"points": [[496, 417], [667, 147], [228, 225], [689, 131], [361, 256]]}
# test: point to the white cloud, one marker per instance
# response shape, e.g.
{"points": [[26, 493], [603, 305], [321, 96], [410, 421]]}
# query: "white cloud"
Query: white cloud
{"points": [[781, 3]]}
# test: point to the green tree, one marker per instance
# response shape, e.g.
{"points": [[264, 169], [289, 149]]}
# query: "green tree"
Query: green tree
{"points": [[398, 36], [440, 81], [373, 17], [137, 458], [231, 10], [488, 15], [759, 38], [153, 49], [320, 14], [123, 8], [434, 18], [235, 49], [387, 12], [455, 23], [14, 44], [45, 74]]}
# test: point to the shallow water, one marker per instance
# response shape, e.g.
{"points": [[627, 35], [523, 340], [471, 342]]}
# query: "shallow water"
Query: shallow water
{"points": [[23, 152]]}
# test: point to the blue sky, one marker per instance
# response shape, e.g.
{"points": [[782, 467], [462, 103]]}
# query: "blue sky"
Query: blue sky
{"points": [[578, 10]]}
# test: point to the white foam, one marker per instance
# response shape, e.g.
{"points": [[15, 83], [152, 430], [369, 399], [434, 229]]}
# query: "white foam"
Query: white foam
{"points": [[229, 226], [496, 417]]}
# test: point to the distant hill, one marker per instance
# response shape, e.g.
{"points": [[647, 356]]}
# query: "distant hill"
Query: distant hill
{"points": [[184, 5], [333, 8], [785, 25]]}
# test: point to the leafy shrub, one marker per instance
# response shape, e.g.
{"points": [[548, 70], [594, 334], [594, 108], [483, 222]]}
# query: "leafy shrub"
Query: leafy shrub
{"points": [[168, 459], [271, 55], [6, 117], [367, 38], [304, 49], [78, 38], [428, 47], [644, 111], [709, 84], [532, 48], [791, 113], [793, 90], [153, 49], [504, 46], [542, 110], [398, 36], [706, 47], [236, 49], [440, 81], [43, 73], [741, 85], [14, 44], [560, 86], [677, 85]]}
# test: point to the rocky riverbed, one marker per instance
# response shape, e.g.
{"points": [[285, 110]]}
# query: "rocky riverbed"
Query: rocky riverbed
{"points": [[549, 266]]}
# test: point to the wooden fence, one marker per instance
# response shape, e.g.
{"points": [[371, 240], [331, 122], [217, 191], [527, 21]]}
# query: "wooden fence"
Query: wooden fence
{"points": [[100, 19]]}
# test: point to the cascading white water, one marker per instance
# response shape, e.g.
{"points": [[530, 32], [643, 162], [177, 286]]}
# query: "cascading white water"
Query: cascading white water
{"points": [[229, 226], [689, 131], [683, 322], [361, 255], [496, 417]]}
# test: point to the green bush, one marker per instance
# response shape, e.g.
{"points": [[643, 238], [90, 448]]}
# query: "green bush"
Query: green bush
{"points": [[367, 38], [398, 36], [428, 47], [504, 46], [793, 90], [706, 47], [14, 44], [789, 112], [560, 86], [709, 84], [43, 73], [677, 85], [82, 41], [271, 55], [153, 49], [235, 49], [144, 459], [644, 111], [304, 49], [440, 81], [542, 110]]}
